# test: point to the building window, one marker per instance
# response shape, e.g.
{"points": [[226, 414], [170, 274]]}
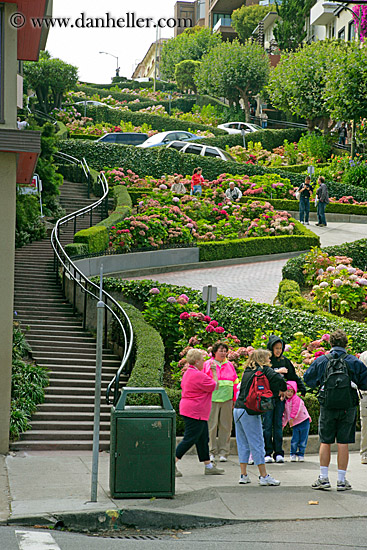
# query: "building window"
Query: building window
{"points": [[341, 34], [1, 63], [351, 31]]}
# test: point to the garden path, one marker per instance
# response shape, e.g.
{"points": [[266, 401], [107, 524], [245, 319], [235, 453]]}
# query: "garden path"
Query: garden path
{"points": [[258, 281]]}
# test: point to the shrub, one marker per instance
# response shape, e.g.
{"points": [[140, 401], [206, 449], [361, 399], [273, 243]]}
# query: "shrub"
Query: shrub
{"points": [[29, 226], [76, 249], [122, 207], [356, 250], [269, 139], [255, 246], [96, 238], [356, 176], [315, 146]]}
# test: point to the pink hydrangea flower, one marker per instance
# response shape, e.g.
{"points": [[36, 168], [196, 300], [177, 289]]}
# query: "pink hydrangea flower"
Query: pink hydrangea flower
{"points": [[214, 323], [325, 337], [207, 319], [209, 328], [185, 315], [219, 330], [154, 290]]}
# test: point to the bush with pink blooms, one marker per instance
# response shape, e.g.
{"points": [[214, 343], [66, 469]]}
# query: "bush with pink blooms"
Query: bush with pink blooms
{"points": [[335, 282]]}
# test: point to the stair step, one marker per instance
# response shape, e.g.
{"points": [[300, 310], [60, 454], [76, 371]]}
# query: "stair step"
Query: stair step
{"points": [[60, 435], [65, 425], [57, 446], [55, 417]]}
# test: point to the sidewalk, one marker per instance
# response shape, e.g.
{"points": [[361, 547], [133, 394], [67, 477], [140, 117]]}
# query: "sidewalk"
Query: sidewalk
{"points": [[50, 486]]}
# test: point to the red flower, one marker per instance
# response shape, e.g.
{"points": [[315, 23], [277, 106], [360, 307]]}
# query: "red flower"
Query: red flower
{"points": [[214, 323], [210, 328], [219, 330]]}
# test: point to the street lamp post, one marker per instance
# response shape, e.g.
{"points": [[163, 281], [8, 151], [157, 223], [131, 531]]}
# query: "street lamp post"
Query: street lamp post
{"points": [[117, 61]]}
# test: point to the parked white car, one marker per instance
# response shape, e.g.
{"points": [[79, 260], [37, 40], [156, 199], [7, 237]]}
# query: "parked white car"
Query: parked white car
{"points": [[236, 127], [199, 149], [162, 138]]}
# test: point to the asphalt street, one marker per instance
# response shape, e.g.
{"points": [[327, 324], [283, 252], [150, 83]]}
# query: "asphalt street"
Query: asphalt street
{"points": [[286, 535]]}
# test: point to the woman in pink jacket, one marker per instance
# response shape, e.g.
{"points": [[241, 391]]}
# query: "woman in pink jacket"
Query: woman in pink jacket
{"points": [[197, 388], [223, 399], [296, 414]]}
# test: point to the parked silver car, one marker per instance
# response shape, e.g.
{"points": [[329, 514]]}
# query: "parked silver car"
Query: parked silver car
{"points": [[199, 149]]}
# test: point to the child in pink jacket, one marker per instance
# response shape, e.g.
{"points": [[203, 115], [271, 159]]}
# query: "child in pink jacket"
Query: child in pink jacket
{"points": [[296, 414]]}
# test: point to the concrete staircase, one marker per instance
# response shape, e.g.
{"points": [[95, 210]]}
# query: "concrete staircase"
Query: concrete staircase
{"points": [[65, 420]]}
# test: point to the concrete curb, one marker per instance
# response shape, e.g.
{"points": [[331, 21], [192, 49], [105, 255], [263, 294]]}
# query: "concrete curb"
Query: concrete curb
{"points": [[109, 520]]}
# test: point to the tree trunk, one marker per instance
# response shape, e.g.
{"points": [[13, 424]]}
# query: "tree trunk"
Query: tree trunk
{"points": [[246, 106]]}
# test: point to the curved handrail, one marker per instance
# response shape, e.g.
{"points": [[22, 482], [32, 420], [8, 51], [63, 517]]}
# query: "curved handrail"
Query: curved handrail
{"points": [[61, 259]]}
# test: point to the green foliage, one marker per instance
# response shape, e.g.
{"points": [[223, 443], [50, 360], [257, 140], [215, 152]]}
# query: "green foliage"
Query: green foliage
{"points": [[122, 207], [289, 295], [27, 385], [289, 29], [346, 86], [315, 146], [76, 249], [96, 238], [356, 175], [356, 250], [268, 138], [184, 74], [233, 70], [156, 122], [29, 226], [256, 246], [50, 78], [191, 44], [297, 83], [46, 168], [246, 18]]}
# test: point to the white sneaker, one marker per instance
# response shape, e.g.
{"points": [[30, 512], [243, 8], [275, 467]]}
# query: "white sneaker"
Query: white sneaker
{"points": [[212, 458], [293, 458], [301, 459], [268, 459], [244, 479], [268, 480], [279, 459], [307, 223], [222, 459]]}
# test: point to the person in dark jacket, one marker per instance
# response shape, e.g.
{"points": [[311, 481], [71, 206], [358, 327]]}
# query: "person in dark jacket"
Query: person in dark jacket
{"points": [[335, 423], [272, 420], [249, 434], [323, 200], [305, 190]]}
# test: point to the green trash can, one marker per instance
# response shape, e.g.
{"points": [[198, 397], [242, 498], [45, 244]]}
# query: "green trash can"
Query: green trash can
{"points": [[142, 447]]}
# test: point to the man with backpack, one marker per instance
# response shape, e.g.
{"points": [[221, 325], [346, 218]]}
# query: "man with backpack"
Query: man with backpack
{"points": [[339, 376]]}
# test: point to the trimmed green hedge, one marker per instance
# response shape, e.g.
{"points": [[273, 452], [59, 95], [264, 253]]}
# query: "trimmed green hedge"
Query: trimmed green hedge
{"points": [[269, 139], [155, 161], [357, 250], [96, 238], [289, 295], [76, 249], [62, 132], [258, 246], [160, 123], [293, 206], [122, 207]]}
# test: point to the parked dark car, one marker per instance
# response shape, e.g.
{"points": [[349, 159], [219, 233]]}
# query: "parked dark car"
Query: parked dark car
{"points": [[124, 138]]}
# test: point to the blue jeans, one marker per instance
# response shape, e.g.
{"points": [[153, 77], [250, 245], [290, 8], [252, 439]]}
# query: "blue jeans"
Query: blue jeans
{"points": [[249, 437], [273, 430], [197, 190], [304, 208], [300, 438], [321, 212]]}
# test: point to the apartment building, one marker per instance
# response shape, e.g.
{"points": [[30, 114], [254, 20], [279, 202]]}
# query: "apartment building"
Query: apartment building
{"points": [[146, 67], [19, 151]]}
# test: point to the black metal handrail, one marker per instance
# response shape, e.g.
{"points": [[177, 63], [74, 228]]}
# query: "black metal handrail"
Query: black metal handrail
{"points": [[70, 270]]}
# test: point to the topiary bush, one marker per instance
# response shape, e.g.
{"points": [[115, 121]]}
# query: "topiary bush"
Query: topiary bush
{"points": [[96, 238], [356, 250], [269, 139]]}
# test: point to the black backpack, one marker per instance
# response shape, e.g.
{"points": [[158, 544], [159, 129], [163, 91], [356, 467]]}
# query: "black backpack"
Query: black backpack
{"points": [[336, 391]]}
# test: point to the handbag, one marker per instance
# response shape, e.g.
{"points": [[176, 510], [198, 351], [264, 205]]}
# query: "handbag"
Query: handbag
{"points": [[298, 195]]}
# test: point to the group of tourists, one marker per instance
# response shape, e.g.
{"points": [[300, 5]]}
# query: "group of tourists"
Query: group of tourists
{"points": [[304, 193], [232, 194], [264, 401]]}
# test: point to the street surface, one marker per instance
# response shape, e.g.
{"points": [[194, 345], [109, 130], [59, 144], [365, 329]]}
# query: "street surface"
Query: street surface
{"points": [[304, 535]]}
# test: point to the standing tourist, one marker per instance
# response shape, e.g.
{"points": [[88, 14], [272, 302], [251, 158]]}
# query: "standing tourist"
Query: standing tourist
{"points": [[363, 414], [249, 433], [197, 388], [338, 375], [197, 181], [220, 420], [322, 195], [305, 192]]}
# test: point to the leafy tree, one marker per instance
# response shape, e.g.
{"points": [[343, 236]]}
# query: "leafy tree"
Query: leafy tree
{"points": [[51, 180], [297, 83], [233, 70], [50, 78], [346, 86], [191, 44], [184, 74], [246, 19], [289, 29]]}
